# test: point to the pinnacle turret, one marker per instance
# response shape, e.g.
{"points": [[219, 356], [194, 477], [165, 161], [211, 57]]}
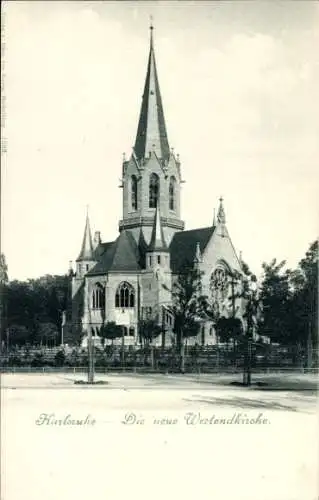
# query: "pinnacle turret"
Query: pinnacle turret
{"points": [[157, 239], [198, 254], [87, 246], [221, 217]]}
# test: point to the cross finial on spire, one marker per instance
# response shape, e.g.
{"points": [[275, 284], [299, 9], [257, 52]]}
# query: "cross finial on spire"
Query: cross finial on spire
{"points": [[151, 30]]}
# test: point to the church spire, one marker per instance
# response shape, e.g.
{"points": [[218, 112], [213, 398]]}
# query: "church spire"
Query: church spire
{"points": [[87, 246], [157, 239], [151, 132], [221, 217]]}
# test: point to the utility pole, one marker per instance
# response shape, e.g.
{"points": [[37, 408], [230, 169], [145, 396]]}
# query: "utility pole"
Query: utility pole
{"points": [[309, 346], [123, 356], [63, 322], [250, 312]]}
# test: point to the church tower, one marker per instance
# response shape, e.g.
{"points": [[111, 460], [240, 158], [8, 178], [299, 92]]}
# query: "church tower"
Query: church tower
{"points": [[151, 178]]}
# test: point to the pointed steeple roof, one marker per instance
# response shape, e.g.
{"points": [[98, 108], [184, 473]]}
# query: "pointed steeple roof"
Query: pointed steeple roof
{"points": [[151, 132], [87, 246], [157, 239], [221, 217]]}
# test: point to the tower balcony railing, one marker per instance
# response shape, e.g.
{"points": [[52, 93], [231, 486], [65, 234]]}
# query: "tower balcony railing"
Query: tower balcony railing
{"points": [[129, 222]]}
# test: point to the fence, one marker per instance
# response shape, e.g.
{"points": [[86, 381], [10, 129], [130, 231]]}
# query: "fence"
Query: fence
{"points": [[83, 370], [198, 359]]}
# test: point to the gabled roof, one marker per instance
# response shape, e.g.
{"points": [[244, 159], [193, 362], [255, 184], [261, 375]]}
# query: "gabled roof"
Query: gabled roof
{"points": [[125, 255], [183, 246], [151, 132], [120, 255]]}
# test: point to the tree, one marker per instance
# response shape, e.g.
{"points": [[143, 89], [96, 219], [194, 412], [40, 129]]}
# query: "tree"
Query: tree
{"points": [[47, 333], [3, 298], [187, 307], [50, 294], [60, 358], [303, 312], [3, 269], [275, 296], [111, 331], [18, 335], [229, 329], [33, 302], [149, 329], [290, 303], [252, 307], [251, 303]]}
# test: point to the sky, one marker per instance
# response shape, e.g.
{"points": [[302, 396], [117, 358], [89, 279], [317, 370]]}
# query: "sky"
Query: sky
{"points": [[240, 89]]}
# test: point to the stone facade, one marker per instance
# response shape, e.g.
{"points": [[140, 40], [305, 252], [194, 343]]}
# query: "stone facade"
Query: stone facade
{"points": [[131, 278]]}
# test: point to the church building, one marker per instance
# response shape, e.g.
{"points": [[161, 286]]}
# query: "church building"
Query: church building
{"points": [[131, 278]]}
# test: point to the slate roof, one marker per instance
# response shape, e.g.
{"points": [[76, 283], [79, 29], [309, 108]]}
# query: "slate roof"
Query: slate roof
{"points": [[119, 255], [124, 254], [151, 131], [183, 246], [157, 238], [101, 249], [86, 252]]}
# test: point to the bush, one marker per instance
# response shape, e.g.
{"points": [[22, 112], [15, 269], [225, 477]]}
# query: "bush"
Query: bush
{"points": [[14, 360], [59, 358], [38, 360]]}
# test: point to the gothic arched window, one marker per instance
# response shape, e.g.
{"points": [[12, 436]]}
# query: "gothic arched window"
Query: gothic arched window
{"points": [[219, 283], [171, 193], [153, 190], [125, 295], [134, 192], [98, 297]]}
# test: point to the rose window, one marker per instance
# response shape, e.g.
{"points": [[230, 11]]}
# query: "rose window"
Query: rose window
{"points": [[219, 283]]}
